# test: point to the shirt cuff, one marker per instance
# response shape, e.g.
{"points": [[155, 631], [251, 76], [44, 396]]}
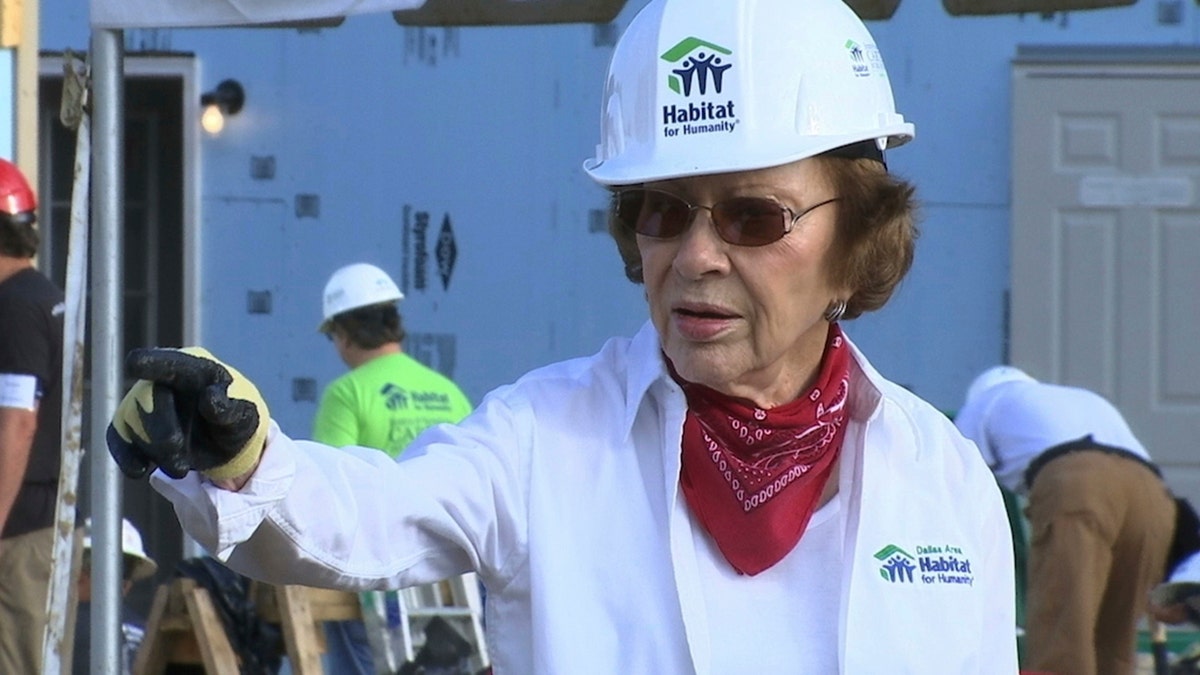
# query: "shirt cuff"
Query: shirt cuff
{"points": [[220, 519]]}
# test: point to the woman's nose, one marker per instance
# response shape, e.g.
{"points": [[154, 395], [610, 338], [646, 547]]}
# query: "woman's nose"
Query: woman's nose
{"points": [[701, 250]]}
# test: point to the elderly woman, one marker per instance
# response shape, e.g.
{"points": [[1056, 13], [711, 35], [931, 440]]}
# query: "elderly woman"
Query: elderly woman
{"points": [[733, 490]]}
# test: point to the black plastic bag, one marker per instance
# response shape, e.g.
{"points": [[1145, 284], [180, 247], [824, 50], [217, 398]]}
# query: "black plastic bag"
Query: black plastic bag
{"points": [[445, 652], [259, 645]]}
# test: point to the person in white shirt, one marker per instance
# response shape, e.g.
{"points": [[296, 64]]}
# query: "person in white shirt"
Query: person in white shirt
{"points": [[1101, 519], [734, 489]]}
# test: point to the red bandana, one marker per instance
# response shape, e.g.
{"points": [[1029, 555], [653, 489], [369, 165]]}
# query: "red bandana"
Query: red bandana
{"points": [[752, 476]]}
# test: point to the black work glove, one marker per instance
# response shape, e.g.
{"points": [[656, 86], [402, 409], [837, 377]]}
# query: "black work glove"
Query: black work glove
{"points": [[187, 411]]}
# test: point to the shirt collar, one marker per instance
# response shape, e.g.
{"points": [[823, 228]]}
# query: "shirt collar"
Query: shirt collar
{"points": [[866, 386], [646, 367]]}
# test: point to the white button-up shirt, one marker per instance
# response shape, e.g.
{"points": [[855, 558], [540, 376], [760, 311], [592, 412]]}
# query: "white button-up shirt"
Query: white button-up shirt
{"points": [[1015, 422], [562, 491]]}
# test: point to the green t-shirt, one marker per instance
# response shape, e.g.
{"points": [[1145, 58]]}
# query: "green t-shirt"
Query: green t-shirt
{"points": [[385, 402]]}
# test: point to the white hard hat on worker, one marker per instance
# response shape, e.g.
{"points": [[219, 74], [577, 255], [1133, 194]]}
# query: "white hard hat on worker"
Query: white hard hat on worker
{"points": [[697, 88], [354, 286], [131, 546]]}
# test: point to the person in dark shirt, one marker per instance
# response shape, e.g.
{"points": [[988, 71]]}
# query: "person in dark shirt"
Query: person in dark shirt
{"points": [[31, 314]]}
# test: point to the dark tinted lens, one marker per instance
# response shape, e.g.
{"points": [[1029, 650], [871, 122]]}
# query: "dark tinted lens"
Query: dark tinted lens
{"points": [[628, 204], [749, 221], [652, 213]]}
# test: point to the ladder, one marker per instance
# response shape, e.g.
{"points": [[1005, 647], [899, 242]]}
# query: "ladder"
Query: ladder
{"points": [[396, 620]]}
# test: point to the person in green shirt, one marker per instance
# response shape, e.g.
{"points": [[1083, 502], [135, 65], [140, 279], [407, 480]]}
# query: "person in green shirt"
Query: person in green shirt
{"points": [[384, 401], [388, 397]]}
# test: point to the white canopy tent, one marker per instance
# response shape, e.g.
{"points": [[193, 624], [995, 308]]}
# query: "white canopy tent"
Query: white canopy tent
{"points": [[122, 14], [108, 19]]}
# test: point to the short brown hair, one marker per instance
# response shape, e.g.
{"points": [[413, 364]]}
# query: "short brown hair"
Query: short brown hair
{"points": [[876, 232], [18, 237], [372, 326]]}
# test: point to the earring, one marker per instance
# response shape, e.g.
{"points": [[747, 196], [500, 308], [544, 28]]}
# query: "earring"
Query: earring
{"points": [[835, 310], [633, 272]]}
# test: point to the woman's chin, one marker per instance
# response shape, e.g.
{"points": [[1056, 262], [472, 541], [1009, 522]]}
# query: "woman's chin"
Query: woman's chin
{"points": [[703, 366]]}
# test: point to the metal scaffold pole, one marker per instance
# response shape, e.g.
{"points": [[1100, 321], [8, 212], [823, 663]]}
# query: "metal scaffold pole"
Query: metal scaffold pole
{"points": [[108, 125]]}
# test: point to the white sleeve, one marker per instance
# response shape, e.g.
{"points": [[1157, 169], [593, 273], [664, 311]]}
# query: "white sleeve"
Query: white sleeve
{"points": [[999, 629], [353, 518], [18, 391]]}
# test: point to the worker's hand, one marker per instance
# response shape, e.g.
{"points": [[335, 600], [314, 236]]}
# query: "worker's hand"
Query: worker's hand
{"points": [[187, 411], [1174, 613]]}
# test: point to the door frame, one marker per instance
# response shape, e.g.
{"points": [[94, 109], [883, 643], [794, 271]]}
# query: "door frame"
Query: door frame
{"points": [[1035, 343], [185, 67], [182, 69]]}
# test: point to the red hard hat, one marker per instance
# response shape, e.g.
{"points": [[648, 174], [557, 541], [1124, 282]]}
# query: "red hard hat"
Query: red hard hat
{"points": [[16, 197]]}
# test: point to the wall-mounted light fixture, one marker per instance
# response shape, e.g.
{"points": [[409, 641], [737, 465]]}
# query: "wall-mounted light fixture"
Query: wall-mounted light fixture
{"points": [[226, 99]]}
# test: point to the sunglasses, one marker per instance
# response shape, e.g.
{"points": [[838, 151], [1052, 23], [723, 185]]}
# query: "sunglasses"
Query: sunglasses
{"points": [[741, 221]]}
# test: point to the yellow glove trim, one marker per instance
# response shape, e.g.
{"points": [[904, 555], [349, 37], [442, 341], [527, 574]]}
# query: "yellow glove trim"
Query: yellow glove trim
{"points": [[241, 388], [243, 462], [127, 421]]}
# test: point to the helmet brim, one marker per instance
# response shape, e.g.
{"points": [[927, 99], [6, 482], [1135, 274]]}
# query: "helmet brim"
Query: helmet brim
{"points": [[628, 169]]}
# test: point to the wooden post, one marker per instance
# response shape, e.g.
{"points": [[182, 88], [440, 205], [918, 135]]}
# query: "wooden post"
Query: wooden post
{"points": [[300, 630], [184, 628]]}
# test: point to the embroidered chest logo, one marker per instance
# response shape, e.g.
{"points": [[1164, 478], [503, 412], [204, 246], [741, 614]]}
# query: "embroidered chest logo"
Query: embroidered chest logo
{"points": [[936, 564]]}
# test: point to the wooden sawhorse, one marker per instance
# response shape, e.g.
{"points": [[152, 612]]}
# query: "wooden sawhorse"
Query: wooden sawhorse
{"points": [[184, 627]]}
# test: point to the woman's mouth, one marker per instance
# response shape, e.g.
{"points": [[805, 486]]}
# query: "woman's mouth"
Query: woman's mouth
{"points": [[701, 323]]}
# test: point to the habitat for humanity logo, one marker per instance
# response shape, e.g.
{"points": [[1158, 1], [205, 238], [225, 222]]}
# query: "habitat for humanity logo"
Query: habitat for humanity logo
{"points": [[396, 398], [864, 59], [897, 563], [698, 68], [943, 564]]}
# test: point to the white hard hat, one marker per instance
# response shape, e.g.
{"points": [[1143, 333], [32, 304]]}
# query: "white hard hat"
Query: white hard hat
{"points": [[699, 87], [354, 286], [131, 545], [994, 376]]}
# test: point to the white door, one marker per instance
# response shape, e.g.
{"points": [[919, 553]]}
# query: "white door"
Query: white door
{"points": [[1106, 242]]}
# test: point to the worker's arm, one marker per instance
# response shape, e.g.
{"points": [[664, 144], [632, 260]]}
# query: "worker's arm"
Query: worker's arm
{"points": [[17, 427], [353, 518]]}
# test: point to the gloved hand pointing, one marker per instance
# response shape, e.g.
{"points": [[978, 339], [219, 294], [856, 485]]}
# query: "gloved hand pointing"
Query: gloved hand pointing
{"points": [[187, 411]]}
